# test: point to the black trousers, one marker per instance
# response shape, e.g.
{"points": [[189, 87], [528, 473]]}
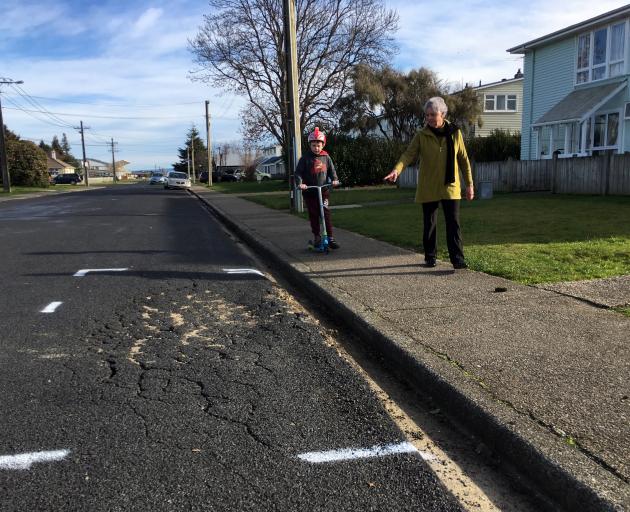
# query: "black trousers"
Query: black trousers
{"points": [[450, 207]]}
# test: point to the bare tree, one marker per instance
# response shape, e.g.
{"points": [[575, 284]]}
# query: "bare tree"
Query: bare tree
{"points": [[240, 48]]}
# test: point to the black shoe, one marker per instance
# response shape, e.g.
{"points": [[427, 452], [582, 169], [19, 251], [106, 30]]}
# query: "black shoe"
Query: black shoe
{"points": [[332, 243], [460, 265], [430, 262]]}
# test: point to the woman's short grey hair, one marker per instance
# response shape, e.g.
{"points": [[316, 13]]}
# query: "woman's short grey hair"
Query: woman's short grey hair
{"points": [[436, 103]]}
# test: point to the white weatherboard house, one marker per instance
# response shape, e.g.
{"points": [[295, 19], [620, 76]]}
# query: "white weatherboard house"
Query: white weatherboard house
{"points": [[576, 100]]}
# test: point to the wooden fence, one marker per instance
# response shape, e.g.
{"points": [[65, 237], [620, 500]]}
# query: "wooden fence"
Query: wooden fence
{"points": [[606, 175]]}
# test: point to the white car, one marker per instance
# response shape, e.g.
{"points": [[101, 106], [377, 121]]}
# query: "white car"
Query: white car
{"points": [[177, 180], [262, 176], [157, 178]]}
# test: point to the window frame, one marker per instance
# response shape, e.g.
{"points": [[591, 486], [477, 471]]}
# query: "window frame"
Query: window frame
{"points": [[588, 70], [494, 98]]}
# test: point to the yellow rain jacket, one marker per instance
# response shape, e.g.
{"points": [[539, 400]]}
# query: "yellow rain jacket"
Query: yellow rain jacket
{"points": [[428, 152]]}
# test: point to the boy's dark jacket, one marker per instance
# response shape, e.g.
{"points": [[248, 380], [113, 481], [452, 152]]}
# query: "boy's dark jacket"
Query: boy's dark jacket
{"points": [[315, 170]]}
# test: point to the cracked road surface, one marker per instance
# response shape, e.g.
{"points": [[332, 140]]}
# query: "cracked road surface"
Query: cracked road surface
{"points": [[175, 385]]}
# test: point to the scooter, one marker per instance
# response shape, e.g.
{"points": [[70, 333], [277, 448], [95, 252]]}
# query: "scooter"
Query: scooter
{"points": [[323, 245]]}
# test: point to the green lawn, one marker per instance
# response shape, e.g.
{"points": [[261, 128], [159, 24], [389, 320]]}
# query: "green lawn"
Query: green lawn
{"points": [[32, 190], [246, 187], [344, 196], [529, 238]]}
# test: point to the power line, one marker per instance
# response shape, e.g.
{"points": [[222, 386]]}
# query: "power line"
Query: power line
{"points": [[113, 105], [32, 114], [96, 116], [36, 104]]}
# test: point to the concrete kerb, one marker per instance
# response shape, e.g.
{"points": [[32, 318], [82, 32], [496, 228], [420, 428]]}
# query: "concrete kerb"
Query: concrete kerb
{"points": [[504, 431]]}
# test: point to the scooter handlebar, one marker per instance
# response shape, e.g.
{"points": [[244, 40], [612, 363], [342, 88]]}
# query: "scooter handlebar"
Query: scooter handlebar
{"points": [[320, 186]]}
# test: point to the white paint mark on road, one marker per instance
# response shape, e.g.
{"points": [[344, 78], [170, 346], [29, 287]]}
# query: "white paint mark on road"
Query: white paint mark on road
{"points": [[243, 271], [51, 307], [26, 460], [362, 453], [82, 272]]}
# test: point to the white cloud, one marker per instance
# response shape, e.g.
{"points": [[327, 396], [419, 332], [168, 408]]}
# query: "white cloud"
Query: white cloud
{"points": [[467, 41], [146, 21]]}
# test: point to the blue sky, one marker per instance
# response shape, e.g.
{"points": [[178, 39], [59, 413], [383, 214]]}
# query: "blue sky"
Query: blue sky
{"points": [[123, 67]]}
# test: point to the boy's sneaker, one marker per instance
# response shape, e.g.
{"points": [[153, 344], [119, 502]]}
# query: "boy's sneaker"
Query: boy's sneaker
{"points": [[332, 243]]}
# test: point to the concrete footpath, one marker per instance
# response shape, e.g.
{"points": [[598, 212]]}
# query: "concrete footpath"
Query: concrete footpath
{"points": [[541, 377]]}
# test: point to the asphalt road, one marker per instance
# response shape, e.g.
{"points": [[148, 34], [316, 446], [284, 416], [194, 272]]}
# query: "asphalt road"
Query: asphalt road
{"points": [[186, 381]]}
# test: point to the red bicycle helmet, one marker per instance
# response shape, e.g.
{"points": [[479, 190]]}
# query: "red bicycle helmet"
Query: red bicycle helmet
{"points": [[316, 135]]}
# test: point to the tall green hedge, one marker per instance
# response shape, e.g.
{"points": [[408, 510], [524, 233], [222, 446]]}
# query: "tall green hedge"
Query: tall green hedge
{"points": [[362, 160], [500, 145]]}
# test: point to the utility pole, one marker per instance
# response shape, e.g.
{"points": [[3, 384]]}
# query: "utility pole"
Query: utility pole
{"points": [[293, 110], [209, 142], [192, 152], [188, 160], [85, 169], [113, 161], [6, 178]]}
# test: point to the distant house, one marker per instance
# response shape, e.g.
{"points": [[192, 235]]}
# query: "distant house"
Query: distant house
{"points": [[272, 162], [576, 99], [98, 168], [501, 105], [231, 158], [56, 166]]}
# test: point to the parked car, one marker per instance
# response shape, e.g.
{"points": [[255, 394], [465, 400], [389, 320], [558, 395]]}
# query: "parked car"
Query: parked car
{"points": [[67, 179], [203, 177], [157, 179], [262, 176], [176, 179], [229, 177]]}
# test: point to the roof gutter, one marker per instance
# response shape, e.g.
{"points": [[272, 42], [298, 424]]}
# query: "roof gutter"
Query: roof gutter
{"points": [[578, 27]]}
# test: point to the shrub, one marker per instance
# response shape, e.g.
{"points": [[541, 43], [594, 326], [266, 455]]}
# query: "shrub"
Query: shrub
{"points": [[500, 145], [28, 165], [362, 160]]}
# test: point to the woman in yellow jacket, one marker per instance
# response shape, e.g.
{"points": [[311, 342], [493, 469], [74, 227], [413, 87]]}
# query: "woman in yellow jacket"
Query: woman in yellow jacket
{"points": [[438, 150]]}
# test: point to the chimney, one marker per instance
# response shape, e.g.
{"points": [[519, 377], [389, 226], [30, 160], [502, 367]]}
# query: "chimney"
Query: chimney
{"points": [[53, 154]]}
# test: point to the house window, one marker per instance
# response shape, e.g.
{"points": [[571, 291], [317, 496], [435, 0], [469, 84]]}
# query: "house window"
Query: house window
{"points": [[545, 141], [601, 53], [605, 133], [500, 103]]}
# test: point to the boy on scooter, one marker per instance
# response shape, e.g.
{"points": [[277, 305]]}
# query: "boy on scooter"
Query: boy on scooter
{"points": [[317, 168]]}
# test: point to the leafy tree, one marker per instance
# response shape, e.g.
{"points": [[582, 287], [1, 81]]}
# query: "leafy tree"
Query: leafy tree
{"points": [[27, 163], [391, 103], [201, 158], [56, 147], [240, 47], [388, 101], [9, 135], [62, 150], [464, 109]]}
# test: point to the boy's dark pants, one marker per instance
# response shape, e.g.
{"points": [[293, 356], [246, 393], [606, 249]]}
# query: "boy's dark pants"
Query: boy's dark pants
{"points": [[312, 205], [453, 235]]}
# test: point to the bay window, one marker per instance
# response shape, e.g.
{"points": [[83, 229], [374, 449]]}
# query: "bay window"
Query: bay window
{"points": [[601, 53]]}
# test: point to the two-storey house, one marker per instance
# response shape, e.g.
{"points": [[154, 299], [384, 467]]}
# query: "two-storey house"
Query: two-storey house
{"points": [[575, 94], [501, 106]]}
